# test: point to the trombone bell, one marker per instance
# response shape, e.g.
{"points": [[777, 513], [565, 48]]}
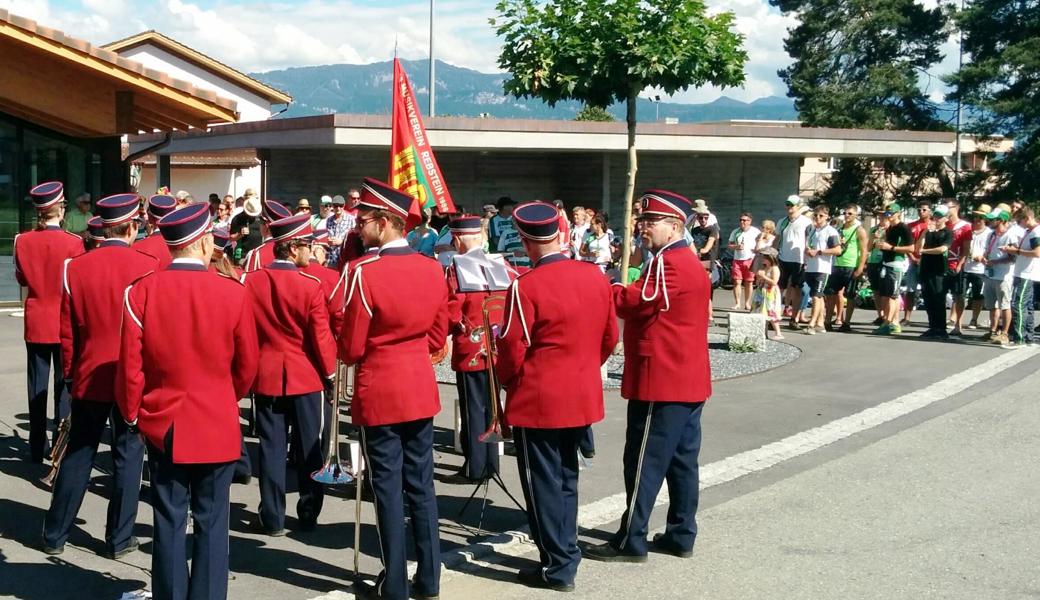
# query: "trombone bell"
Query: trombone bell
{"points": [[333, 474]]}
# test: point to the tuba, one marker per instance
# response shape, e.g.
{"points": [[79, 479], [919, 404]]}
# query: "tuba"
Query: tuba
{"points": [[61, 444], [335, 471], [495, 432]]}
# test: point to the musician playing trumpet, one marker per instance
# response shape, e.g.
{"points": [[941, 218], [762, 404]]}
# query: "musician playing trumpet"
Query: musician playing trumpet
{"points": [[473, 277], [396, 316]]}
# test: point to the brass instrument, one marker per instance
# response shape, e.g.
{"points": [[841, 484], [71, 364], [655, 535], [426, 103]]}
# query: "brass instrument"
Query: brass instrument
{"points": [[61, 444], [495, 432], [335, 471]]}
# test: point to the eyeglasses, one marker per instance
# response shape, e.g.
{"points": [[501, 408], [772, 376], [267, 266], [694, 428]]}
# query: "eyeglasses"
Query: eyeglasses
{"points": [[849, 213], [745, 220], [650, 221], [362, 221]]}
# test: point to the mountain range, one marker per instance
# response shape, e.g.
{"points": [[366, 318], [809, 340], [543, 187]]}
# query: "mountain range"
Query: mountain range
{"points": [[365, 89]]}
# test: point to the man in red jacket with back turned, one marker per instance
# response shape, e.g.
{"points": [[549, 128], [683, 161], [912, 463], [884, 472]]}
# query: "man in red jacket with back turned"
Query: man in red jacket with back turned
{"points": [[262, 255], [396, 315], [667, 379], [182, 368], [297, 357], [39, 257], [559, 329], [153, 244], [91, 311]]}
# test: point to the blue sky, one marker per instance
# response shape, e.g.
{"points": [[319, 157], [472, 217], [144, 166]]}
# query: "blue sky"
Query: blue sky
{"points": [[260, 36]]}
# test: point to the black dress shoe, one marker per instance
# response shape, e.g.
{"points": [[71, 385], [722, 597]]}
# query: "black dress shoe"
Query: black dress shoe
{"points": [[608, 553], [461, 478], [416, 592], [665, 546], [131, 546], [533, 578]]}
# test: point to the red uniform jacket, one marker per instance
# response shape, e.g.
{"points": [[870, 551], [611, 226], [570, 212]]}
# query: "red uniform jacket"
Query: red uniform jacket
{"points": [[396, 315], [39, 260], [183, 364], [466, 318], [155, 245], [559, 328], [91, 313], [329, 284], [666, 329], [260, 257], [297, 351]]}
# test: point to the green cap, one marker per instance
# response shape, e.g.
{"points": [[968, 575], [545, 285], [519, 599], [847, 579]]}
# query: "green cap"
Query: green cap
{"points": [[940, 210], [1000, 214], [893, 208]]}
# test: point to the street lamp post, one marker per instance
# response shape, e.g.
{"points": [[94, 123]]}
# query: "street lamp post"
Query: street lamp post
{"points": [[433, 80]]}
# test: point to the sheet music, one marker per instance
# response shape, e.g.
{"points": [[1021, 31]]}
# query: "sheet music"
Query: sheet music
{"points": [[479, 272]]}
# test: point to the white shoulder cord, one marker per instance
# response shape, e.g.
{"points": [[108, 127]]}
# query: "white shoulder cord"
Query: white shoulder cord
{"points": [[655, 271], [516, 309]]}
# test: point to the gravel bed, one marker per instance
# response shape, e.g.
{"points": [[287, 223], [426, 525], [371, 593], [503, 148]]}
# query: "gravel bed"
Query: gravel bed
{"points": [[724, 364]]}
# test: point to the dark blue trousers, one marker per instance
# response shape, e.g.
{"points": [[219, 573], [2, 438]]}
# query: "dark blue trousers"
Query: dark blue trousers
{"points": [[587, 443], [88, 424], [208, 487], [481, 458], [662, 442], [40, 358], [399, 459], [273, 417], [548, 463]]}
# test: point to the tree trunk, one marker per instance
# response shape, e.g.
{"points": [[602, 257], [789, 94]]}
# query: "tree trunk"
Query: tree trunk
{"points": [[630, 185]]}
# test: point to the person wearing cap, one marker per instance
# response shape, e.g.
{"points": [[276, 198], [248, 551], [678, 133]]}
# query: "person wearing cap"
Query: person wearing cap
{"points": [[153, 244], [792, 233], [39, 258], [975, 266], [666, 381], [95, 233], [297, 357], [182, 368], [896, 247], [874, 266], [932, 247], [262, 255], [318, 221], [822, 244], [245, 230], [219, 262], [339, 225], [474, 277], [76, 219], [999, 277], [501, 221], [91, 314], [504, 237], [559, 329], [1026, 273], [741, 242], [390, 336], [910, 277], [303, 207]]}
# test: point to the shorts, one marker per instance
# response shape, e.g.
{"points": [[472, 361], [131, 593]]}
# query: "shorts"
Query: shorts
{"points": [[953, 284], [909, 281], [974, 284], [741, 270], [817, 283], [841, 279], [874, 276], [891, 279], [997, 293], [791, 274]]}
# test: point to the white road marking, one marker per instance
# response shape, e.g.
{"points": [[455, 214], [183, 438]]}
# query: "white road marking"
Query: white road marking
{"points": [[609, 509]]}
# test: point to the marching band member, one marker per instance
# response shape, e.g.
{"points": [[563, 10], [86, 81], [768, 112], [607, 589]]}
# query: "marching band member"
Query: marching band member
{"points": [[262, 255], [473, 276], [559, 328], [159, 206], [297, 355], [95, 232], [667, 379], [185, 403], [390, 335], [315, 267], [219, 262], [39, 257], [91, 310]]}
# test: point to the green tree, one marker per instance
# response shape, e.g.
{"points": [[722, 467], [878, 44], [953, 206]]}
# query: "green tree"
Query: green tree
{"points": [[1002, 80], [859, 64], [606, 51], [594, 113]]}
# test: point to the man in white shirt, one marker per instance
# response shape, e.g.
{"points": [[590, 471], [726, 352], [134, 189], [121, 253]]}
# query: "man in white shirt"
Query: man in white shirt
{"points": [[742, 243], [791, 238], [998, 263], [975, 267], [1026, 272], [822, 244]]}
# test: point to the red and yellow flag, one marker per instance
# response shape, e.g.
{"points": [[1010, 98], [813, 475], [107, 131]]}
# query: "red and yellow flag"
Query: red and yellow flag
{"points": [[413, 167]]}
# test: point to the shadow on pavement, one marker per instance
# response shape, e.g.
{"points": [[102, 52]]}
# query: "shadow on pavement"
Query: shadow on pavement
{"points": [[57, 578]]}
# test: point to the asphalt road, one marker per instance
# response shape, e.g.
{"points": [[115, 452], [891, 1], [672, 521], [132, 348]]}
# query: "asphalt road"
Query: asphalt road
{"points": [[818, 524]]}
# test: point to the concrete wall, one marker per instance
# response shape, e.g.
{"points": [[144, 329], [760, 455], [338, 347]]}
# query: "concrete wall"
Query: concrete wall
{"points": [[203, 182], [729, 184]]}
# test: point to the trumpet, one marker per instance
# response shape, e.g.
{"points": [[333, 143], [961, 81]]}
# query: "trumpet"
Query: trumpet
{"points": [[61, 444], [335, 471], [495, 433]]}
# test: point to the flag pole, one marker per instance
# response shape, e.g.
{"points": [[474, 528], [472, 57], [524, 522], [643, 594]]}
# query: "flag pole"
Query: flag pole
{"points": [[433, 80]]}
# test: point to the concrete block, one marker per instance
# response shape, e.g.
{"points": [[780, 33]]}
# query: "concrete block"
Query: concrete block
{"points": [[747, 329]]}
